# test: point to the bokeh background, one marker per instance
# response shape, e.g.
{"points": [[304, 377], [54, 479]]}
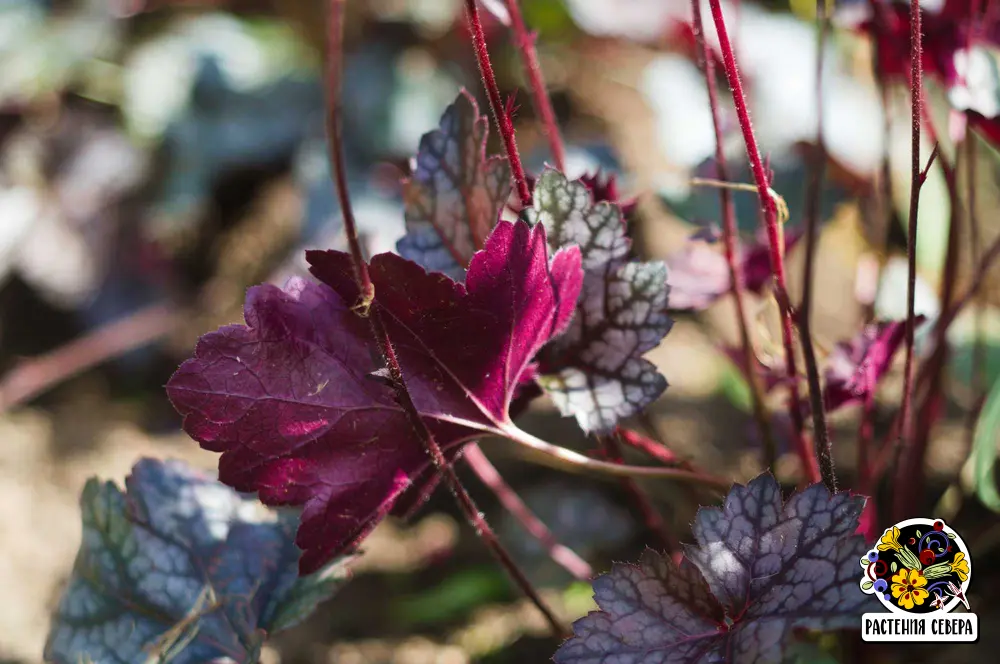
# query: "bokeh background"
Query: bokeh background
{"points": [[157, 158]]}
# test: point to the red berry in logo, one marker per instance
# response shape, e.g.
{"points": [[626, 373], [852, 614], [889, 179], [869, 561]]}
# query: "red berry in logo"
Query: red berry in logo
{"points": [[926, 557], [939, 525]]}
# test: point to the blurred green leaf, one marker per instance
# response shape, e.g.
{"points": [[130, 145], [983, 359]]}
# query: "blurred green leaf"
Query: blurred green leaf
{"points": [[984, 450], [735, 388], [453, 598]]}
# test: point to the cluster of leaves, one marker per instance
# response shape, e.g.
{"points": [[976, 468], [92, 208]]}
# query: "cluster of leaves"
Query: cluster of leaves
{"points": [[293, 401]]}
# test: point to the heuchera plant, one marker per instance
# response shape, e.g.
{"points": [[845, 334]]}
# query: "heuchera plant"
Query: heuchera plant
{"points": [[334, 392], [352, 394]]}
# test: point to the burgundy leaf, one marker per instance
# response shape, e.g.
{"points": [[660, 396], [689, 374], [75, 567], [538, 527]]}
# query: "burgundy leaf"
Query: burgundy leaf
{"points": [[944, 33], [699, 273], [596, 371], [291, 401], [760, 570], [456, 193], [755, 258], [855, 367], [604, 187]]}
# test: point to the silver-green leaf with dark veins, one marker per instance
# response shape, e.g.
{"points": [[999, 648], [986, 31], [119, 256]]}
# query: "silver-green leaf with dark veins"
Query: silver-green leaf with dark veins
{"points": [[181, 568], [596, 371]]}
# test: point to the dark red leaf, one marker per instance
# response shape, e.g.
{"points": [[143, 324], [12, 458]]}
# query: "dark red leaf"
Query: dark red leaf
{"points": [[290, 401]]}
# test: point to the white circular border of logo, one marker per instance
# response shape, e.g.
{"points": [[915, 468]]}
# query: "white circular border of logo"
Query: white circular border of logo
{"points": [[950, 606]]}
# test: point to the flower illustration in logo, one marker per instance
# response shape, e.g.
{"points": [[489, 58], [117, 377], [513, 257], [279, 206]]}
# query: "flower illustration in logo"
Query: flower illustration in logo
{"points": [[918, 566], [890, 540], [908, 588], [960, 566]]}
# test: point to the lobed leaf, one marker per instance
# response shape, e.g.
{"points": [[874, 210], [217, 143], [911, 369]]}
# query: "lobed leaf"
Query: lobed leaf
{"points": [[760, 569], [596, 371], [180, 568], [456, 193], [296, 405]]}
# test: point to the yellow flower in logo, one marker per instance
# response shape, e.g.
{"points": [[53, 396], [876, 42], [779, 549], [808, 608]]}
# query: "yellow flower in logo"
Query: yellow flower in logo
{"points": [[890, 540], [908, 588], [960, 566]]}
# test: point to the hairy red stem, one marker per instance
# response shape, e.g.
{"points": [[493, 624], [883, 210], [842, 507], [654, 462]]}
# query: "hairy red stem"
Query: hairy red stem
{"points": [[334, 75], [491, 477], [335, 52], [909, 481], [916, 88], [504, 124], [651, 448], [35, 375], [729, 241], [824, 446], [525, 42], [775, 240]]}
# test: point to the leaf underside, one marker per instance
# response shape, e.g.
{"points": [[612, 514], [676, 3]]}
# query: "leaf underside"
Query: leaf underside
{"points": [[456, 193], [759, 570]]}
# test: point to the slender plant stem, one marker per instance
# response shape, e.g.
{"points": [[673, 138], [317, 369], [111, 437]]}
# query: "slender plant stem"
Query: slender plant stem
{"points": [[866, 432], [503, 121], [916, 88], [650, 515], [729, 239], [491, 477], [651, 448], [910, 471], [335, 53], [546, 453], [824, 446], [334, 76], [35, 375], [775, 240], [525, 42], [943, 322]]}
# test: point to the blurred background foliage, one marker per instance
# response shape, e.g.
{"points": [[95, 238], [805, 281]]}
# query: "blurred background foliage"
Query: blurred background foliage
{"points": [[158, 157]]}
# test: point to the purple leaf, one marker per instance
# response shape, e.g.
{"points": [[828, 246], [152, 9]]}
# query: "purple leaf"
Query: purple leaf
{"points": [[760, 570], [755, 258], [456, 193], [181, 565], [698, 277], [290, 400], [596, 371], [855, 367], [604, 187], [699, 274]]}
